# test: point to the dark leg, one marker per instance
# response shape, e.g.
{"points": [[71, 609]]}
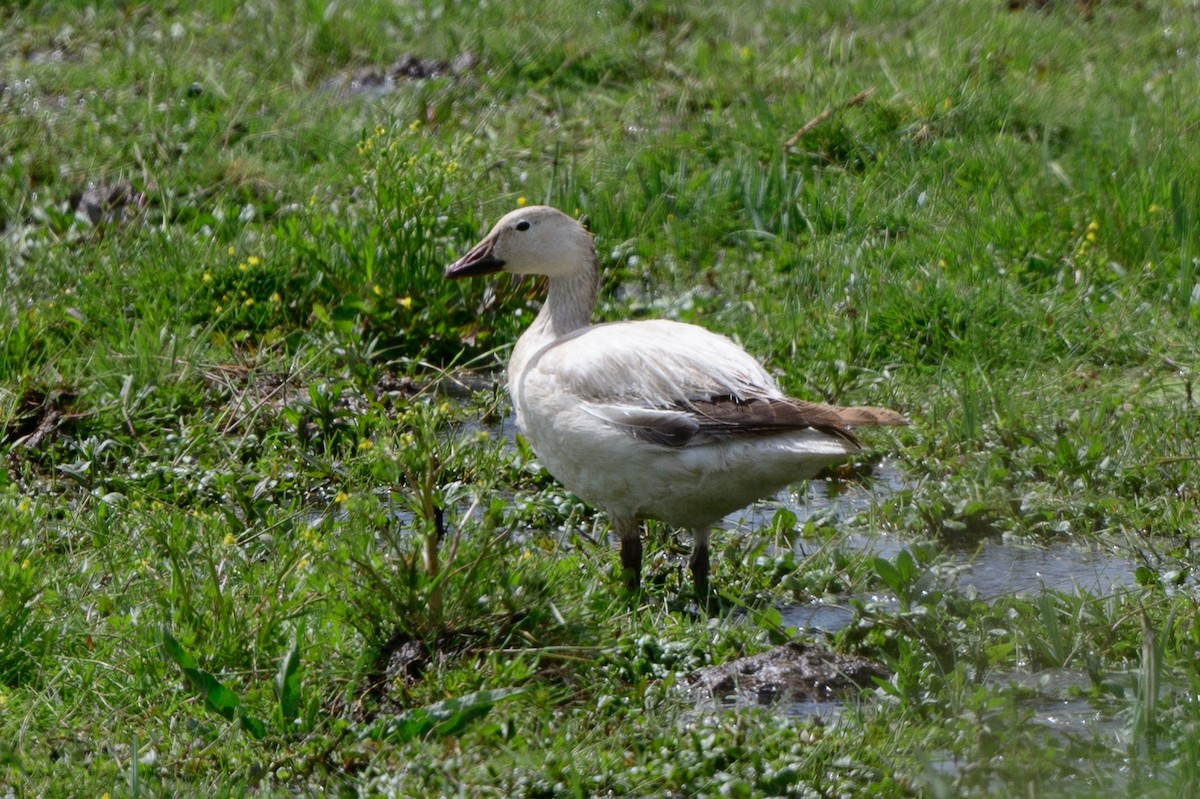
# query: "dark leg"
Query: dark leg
{"points": [[699, 564], [631, 553]]}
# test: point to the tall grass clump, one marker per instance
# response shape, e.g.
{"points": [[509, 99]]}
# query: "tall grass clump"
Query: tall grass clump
{"points": [[374, 263]]}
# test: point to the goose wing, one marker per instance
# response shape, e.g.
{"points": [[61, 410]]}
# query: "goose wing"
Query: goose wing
{"points": [[651, 364], [679, 385]]}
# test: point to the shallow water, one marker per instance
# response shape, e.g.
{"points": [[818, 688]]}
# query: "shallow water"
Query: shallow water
{"points": [[1058, 703], [825, 498], [993, 568], [999, 568]]}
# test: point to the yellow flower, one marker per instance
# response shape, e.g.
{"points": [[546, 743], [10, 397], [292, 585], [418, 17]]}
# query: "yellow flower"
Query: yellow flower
{"points": [[275, 298], [1091, 235], [219, 309], [744, 52], [230, 251], [1093, 225], [207, 278], [942, 263], [405, 303], [415, 125], [230, 540], [379, 131], [1155, 208], [26, 565], [24, 505], [3, 700], [521, 202], [366, 444], [249, 301], [341, 498], [254, 260], [378, 291], [243, 266], [302, 565]]}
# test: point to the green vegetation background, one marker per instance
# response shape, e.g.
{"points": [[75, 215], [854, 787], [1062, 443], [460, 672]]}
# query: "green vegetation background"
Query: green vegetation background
{"points": [[237, 400]]}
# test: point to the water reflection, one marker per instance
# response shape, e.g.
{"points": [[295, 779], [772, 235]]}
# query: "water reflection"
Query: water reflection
{"points": [[993, 568]]}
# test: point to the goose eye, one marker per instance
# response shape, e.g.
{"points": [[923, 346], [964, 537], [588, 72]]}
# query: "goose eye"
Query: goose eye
{"points": [[523, 225]]}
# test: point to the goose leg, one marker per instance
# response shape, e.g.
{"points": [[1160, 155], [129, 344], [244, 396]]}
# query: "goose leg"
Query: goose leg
{"points": [[631, 551], [699, 562]]}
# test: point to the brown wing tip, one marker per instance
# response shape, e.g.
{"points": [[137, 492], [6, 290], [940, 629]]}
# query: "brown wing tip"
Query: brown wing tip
{"points": [[867, 416]]}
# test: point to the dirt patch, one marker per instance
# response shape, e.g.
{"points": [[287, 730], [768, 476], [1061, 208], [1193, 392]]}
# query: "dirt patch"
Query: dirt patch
{"points": [[401, 664], [1086, 8], [38, 419], [408, 67], [107, 203]]}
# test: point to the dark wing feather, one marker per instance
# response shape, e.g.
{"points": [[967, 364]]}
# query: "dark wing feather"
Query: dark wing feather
{"points": [[723, 418], [727, 417]]}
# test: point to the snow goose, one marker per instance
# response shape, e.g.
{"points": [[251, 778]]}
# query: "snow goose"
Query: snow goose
{"points": [[648, 419]]}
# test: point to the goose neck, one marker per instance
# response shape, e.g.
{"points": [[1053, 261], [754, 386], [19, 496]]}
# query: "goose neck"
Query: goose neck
{"points": [[569, 303]]}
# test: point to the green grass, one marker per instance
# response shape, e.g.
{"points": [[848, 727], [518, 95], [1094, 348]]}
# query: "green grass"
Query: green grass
{"points": [[239, 405]]}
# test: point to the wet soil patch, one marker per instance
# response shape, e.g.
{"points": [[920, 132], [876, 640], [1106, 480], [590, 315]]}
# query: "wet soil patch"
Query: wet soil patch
{"points": [[794, 672]]}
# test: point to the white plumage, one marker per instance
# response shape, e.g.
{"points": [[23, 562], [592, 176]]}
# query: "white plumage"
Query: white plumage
{"points": [[648, 419]]}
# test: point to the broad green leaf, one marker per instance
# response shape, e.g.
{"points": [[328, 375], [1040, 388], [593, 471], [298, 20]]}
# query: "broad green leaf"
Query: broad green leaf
{"points": [[888, 573], [176, 652], [216, 696], [253, 726]]}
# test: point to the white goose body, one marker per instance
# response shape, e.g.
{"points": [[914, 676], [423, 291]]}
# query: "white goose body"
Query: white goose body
{"points": [[592, 402], [648, 419]]}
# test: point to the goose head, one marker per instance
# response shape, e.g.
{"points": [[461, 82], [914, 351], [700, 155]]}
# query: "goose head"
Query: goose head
{"points": [[537, 240]]}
